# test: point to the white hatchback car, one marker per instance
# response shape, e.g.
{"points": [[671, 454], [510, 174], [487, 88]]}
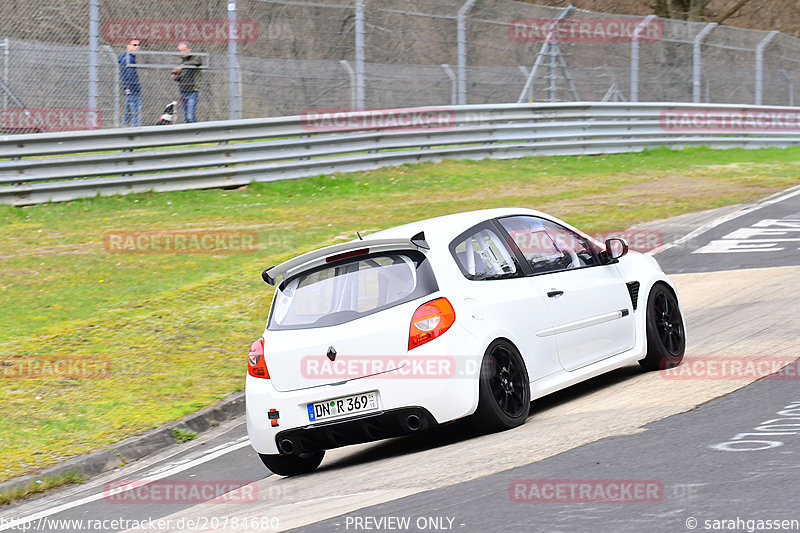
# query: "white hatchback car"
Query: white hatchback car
{"points": [[472, 314]]}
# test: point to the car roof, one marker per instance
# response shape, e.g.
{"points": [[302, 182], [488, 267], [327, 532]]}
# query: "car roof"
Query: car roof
{"points": [[438, 232], [447, 227]]}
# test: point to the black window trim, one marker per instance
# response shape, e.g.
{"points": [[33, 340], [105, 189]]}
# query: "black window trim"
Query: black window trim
{"points": [[512, 246]]}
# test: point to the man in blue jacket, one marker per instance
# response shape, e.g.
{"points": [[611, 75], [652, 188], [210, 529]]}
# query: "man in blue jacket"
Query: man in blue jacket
{"points": [[130, 85]]}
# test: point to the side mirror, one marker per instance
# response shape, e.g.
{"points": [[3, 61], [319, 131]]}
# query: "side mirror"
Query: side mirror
{"points": [[615, 248]]}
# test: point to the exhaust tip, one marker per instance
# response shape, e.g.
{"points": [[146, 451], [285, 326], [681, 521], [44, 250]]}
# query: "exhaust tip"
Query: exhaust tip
{"points": [[413, 422], [286, 446]]}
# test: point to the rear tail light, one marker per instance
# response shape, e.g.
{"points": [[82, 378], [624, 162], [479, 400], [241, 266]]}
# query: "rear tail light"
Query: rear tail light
{"points": [[430, 320], [256, 366]]}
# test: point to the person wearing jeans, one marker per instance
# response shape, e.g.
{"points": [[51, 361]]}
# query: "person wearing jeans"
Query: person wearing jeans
{"points": [[133, 110], [187, 75], [189, 106], [130, 85]]}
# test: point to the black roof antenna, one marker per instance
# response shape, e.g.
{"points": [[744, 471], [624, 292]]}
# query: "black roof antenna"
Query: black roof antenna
{"points": [[360, 238]]}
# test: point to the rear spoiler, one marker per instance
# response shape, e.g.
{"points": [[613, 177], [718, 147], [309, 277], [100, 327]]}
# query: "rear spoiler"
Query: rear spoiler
{"points": [[330, 253]]}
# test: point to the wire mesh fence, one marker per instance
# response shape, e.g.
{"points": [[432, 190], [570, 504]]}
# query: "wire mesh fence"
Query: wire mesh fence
{"points": [[60, 59]]}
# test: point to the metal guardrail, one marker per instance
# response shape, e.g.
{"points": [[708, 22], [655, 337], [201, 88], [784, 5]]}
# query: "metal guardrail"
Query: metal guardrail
{"points": [[37, 168]]}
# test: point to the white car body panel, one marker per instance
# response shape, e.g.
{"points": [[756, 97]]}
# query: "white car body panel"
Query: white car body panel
{"points": [[588, 320], [494, 309], [288, 353]]}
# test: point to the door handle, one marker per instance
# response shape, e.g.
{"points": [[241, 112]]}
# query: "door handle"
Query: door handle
{"points": [[554, 293]]}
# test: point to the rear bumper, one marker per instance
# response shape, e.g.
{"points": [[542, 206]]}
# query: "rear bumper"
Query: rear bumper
{"points": [[439, 397], [365, 428], [271, 412]]}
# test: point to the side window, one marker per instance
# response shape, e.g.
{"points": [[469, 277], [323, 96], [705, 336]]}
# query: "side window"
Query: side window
{"points": [[578, 247], [549, 247], [483, 255]]}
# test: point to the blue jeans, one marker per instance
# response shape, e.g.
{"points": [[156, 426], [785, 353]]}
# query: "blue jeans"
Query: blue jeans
{"points": [[189, 105], [133, 110]]}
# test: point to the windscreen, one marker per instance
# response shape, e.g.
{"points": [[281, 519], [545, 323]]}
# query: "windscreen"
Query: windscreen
{"points": [[343, 292]]}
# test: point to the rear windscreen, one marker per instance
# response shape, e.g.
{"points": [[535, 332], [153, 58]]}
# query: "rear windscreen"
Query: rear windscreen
{"points": [[358, 287]]}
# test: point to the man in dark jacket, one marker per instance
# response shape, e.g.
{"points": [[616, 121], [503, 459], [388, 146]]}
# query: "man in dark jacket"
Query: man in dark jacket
{"points": [[187, 75], [130, 84]]}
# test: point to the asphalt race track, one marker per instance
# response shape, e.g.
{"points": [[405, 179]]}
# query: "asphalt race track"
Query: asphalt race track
{"points": [[761, 236], [697, 451]]}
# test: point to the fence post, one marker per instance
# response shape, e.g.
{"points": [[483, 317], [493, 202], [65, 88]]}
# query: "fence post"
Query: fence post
{"points": [[352, 75], [6, 54], [526, 73], [760, 64], [696, 60], [117, 83], [360, 54], [234, 88], [635, 57], [462, 51], [789, 86], [453, 90], [94, 23]]}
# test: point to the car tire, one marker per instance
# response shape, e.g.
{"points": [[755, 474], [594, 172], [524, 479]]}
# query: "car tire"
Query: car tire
{"points": [[504, 390], [666, 335], [293, 465]]}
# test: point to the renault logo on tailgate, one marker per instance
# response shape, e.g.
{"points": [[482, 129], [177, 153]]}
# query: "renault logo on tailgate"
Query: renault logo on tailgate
{"points": [[331, 353]]}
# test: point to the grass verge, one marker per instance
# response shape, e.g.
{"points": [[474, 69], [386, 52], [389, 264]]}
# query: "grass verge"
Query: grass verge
{"points": [[182, 435], [154, 336], [10, 496]]}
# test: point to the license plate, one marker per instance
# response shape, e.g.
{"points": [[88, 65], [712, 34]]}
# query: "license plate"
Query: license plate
{"points": [[358, 403]]}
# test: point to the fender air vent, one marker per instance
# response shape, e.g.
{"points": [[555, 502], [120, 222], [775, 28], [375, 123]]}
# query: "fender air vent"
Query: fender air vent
{"points": [[633, 290]]}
